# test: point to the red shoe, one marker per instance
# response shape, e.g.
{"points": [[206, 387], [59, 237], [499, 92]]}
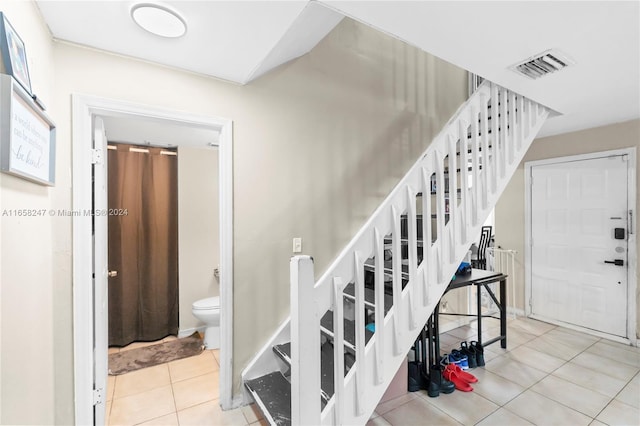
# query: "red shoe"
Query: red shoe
{"points": [[459, 383], [467, 377]]}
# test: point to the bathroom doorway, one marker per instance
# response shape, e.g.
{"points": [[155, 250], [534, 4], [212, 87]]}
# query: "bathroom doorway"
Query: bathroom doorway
{"points": [[89, 248]]}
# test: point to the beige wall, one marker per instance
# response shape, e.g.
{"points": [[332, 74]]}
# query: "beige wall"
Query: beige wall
{"points": [[510, 213], [29, 356], [198, 229], [318, 143]]}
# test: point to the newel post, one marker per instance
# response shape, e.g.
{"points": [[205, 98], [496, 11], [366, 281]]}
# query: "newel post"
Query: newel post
{"points": [[305, 345]]}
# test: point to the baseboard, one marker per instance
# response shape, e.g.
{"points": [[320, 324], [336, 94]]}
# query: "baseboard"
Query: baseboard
{"points": [[189, 331], [515, 311]]}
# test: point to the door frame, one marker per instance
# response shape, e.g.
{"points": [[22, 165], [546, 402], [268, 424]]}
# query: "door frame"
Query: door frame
{"points": [[84, 109], [632, 270]]}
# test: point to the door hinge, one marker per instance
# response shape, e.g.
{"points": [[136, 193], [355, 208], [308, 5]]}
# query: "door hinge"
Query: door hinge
{"points": [[96, 156], [98, 396]]}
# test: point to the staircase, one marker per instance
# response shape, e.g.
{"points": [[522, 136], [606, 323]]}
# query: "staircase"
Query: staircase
{"points": [[385, 284]]}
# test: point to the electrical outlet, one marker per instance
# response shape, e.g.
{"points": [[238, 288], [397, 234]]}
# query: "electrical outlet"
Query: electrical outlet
{"points": [[297, 245]]}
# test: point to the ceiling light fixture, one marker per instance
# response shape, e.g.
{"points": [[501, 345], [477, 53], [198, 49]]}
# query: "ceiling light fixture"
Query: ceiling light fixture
{"points": [[158, 20]]}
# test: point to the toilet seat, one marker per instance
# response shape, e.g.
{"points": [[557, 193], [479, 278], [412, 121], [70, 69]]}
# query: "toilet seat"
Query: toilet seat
{"points": [[209, 303]]}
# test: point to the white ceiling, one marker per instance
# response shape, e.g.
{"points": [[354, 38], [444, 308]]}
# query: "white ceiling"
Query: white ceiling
{"points": [[241, 40]]}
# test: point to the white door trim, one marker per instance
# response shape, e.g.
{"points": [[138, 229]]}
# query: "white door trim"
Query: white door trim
{"points": [[632, 244], [84, 108]]}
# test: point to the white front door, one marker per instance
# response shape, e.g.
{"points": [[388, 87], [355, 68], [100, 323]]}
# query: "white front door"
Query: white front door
{"points": [[579, 272], [100, 294]]}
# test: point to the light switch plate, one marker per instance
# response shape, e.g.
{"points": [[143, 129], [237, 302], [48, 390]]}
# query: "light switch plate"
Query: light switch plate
{"points": [[297, 245]]}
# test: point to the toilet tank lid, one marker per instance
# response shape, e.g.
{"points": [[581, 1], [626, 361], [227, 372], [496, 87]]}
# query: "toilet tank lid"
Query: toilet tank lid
{"points": [[208, 303]]}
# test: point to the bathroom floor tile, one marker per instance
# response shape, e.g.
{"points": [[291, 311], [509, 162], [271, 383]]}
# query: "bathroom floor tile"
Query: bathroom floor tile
{"points": [[141, 380], [251, 413], [581, 399], [136, 345], [197, 390], [193, 366], [141, 407], [111, 387], [168, 420], [540, 410], [210, 413]]}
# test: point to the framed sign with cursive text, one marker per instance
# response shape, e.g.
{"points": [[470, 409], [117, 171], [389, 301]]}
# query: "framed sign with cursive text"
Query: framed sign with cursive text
{"points": [[27, 135]]}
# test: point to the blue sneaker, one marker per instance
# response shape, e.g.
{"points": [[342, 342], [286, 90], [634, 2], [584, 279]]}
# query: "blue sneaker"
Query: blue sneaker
{"points": [[458, 358]]}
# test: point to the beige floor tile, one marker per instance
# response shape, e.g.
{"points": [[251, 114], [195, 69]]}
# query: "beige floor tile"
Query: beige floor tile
{"points": [[630, 395], [378, 421], [170, 338], [535, 359], [467, 408], [616, 353], [107, 414], [464, 333], [449, 340], [494, 387], [532, 326], [394, 403], [261, 422], [143, 406], [136, 345], [197, 390], [590, 379], [581, 399], [216, 355], [503, 417], [553, 348], [210, 413], [494, 351], [168, 420], [597, 423], [416, 412], [516, 337], [615, 369], [252, 413], [619, 345], [540, 410], [618, 413], [111, 387], [571, 338], [193, 366], [141, 380], [113, 350], [514, 371]]}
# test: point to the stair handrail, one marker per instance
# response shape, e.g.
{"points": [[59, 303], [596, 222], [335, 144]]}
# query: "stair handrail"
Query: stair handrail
{"points": [[490, 146]]}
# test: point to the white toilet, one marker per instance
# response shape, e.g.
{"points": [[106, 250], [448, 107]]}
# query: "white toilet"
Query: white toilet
{"points": [[208, 311]]}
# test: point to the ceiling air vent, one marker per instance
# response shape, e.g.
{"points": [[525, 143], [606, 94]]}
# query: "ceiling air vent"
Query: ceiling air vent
{"points": [[542, 64]]}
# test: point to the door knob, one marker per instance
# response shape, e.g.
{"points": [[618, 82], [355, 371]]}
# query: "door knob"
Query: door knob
{"points": [[112, 274], [617, 262]]}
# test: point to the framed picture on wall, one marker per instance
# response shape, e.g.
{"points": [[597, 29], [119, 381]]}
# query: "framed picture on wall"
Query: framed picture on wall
{"points": [[14, 55]]}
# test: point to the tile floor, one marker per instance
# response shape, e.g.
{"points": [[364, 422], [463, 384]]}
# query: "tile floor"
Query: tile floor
{"points": [[548, 376], [182, 392]]}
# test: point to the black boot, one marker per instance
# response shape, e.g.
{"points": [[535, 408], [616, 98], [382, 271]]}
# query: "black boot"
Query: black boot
{"points": [[470, 352], [479, 353], [415, 382], [437, 383]]}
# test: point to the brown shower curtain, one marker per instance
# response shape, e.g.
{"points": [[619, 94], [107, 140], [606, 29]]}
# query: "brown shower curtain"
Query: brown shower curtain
{"points": [[143, 244]]}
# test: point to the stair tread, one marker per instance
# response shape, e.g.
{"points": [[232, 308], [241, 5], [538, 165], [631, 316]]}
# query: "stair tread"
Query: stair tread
{"points": [[272, 393], [326, 361], [369, 296], [349, 329]]}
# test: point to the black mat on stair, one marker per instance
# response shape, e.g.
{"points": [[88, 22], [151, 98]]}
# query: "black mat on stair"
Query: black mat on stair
{"points": [[148, 356]]}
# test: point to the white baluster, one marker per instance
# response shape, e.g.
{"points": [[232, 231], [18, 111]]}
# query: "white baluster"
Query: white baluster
{"points": [[305, 344], [360, 330], [464, 179], [426, 233], [338, 353], [521, 124], [484, 137], [397, 280], [412, 248], [513, 133], [475, 166], [378, 242]]}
